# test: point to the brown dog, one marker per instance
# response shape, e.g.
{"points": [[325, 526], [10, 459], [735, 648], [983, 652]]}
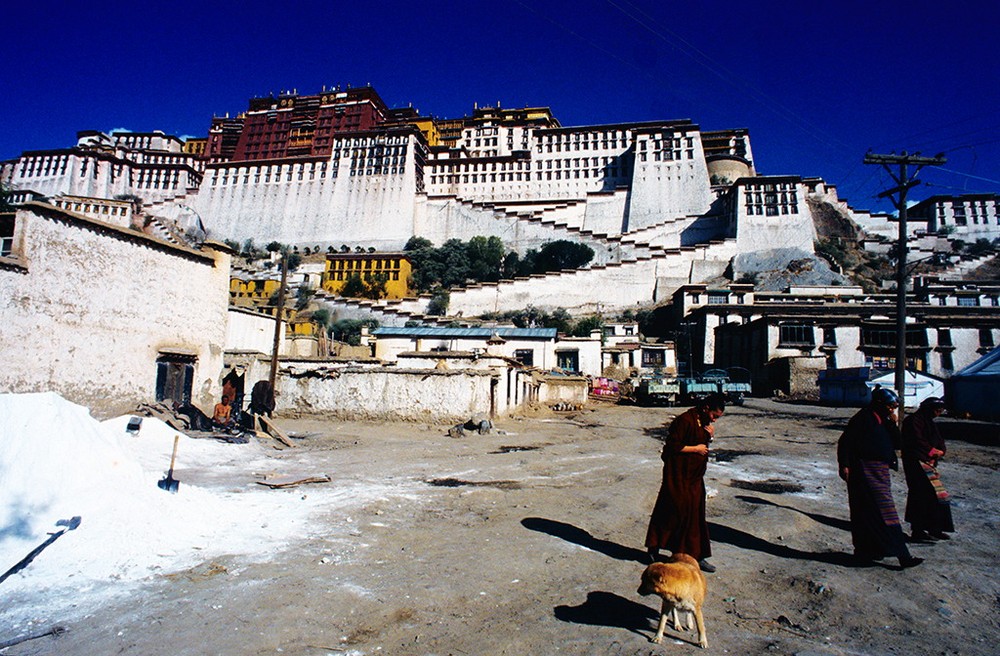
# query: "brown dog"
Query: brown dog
{"points": [[681, 585]]}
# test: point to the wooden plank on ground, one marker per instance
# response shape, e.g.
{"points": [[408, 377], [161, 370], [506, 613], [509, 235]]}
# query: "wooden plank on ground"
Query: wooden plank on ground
{"points": [[274, 431], [277, 482]]}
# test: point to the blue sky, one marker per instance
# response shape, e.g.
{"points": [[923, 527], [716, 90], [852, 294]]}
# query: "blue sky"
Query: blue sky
{"points": [[817, 84]]}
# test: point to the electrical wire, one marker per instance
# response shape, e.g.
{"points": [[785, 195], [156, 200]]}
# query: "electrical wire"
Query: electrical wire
{"points": [[727, 76]]}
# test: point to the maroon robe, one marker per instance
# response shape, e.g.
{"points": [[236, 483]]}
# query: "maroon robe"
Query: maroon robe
{"points": [[678, 520], [925, 510]]}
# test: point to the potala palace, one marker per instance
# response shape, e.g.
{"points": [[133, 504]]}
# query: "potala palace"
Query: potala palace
{"points": [[661, 203], [115, 253]]}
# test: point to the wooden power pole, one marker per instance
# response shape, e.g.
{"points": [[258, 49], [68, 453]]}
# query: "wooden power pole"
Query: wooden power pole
{"points": [[278, 316], [904, 182]]}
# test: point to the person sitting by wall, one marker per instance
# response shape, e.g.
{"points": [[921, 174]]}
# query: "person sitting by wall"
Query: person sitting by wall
{"points": [[222, 418]]}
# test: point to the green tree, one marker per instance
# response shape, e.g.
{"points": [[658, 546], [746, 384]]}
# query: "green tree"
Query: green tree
{"points": [[980, 247], [454, 260], [583, 327], [438, 305], [415, 243], [302, 297], [354, 287], [511, 262], [375, 287], [349, 330], [563, 254], [526, 265], [560, 320], [485, 257], [273, 246], [321, 318]]}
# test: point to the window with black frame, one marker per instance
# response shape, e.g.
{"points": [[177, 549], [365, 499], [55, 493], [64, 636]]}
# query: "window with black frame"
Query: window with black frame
{"points": [[796, 334], [6, 235]]}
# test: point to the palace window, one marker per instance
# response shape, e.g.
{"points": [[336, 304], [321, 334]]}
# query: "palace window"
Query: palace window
{"points": [[885, 336], [795, 335], [6, 235]]}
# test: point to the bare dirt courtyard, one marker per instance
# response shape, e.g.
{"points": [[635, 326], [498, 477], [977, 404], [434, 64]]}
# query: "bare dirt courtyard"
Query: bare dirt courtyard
{"points": [[528, 541]]}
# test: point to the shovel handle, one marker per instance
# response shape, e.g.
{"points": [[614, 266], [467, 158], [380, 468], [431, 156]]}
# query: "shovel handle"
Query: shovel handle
{"points": [[173, 456]]}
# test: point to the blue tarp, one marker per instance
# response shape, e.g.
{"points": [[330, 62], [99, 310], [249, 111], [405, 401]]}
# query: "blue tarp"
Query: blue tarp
{"points": [[975, 390]]}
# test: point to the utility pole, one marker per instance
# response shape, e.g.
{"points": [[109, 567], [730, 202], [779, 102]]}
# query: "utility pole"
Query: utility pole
{"points": [[904, 182], [278, 315]]}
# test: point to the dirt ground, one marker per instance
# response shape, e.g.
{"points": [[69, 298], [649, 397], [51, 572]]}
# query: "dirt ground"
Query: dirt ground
{"points": [[529, 541]]}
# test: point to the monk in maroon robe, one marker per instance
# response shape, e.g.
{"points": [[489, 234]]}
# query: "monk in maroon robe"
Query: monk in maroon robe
{"points": [[678, 521], [928, 506]]}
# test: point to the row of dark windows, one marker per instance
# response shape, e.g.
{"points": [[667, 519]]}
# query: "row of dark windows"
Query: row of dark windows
{"points": [[799, 335]]}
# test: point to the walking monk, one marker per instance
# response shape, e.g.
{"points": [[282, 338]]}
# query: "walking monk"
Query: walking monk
{"points": [[928, 506], [866, 452], [678, 520]]}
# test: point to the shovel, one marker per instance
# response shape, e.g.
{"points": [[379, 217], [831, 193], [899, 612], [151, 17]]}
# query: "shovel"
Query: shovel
{"points": [[170, 484]]}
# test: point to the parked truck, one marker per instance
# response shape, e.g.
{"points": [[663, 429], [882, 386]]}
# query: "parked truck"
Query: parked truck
{"points": [[651, 391], [696, 389], [732, 384]]}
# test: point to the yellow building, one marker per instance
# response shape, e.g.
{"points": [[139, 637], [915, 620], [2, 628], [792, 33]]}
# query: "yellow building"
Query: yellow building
{"points": [[394, 268], [251, 292], [195, 146], [303, 326], [430, 130]]}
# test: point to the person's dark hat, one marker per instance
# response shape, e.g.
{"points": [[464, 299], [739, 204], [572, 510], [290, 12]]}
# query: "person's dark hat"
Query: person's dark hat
{"points": [[884, 396], [932, 402]]}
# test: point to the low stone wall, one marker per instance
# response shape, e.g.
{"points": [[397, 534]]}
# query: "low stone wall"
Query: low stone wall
{"points": [[424, 395], [572, 390]]}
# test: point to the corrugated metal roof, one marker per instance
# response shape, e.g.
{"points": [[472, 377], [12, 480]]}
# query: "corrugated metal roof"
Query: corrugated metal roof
{"points": [[986, 366], [485, 333]]}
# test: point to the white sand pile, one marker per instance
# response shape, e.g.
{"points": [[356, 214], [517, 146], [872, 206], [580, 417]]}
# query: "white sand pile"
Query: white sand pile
{"points": [[57, 462]]}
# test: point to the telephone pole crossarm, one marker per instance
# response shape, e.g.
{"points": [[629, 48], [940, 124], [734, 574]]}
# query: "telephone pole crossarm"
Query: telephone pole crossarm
{"points": [[904, 182]]}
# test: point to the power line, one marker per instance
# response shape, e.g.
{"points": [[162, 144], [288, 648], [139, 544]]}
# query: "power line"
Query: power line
{"points": [[904, 182], [969, 175], [907, 138], [728, 76]]}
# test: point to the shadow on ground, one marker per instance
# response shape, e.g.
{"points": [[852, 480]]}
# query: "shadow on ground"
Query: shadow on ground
{"points": [[834, 522], [581, 537], [609, 609], [744, 540]]}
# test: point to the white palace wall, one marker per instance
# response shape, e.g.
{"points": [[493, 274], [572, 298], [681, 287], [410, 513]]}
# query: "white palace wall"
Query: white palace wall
{"points": [[102, 174], [773, 214], [343, 199], [605, 212], [441, 219], [670, 178]]}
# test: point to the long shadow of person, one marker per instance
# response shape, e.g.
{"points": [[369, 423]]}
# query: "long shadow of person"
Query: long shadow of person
{"points": [[744, 540], [609, 609], [842, 524], [581, 537]]}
